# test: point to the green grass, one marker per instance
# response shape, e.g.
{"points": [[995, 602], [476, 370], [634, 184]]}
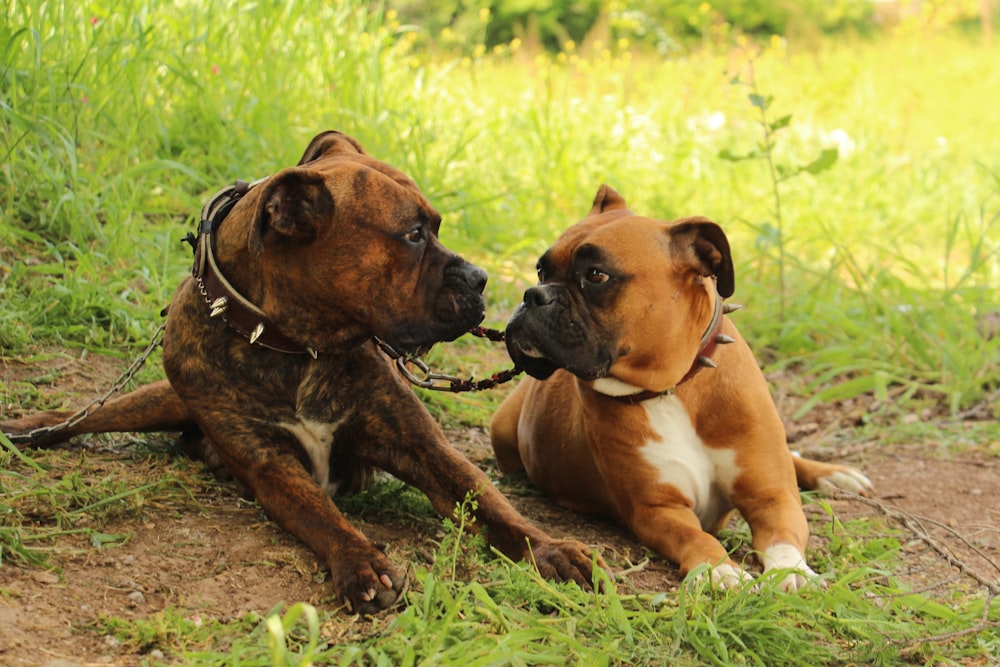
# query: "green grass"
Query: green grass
{"points": [[116, 125], [473, 606], [506, 615]]}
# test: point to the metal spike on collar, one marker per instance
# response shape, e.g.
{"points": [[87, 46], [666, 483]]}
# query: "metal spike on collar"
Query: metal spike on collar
{"points": [[706, 362], [731, 307], [219, 306], [313, 353], [257, 333], [723, 339]]}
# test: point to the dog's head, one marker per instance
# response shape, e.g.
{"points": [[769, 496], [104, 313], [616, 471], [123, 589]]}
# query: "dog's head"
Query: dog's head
{"points": [[345, 246], [622, 296]]}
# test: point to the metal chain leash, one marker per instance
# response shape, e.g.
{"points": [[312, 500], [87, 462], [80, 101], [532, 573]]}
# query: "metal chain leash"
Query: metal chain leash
{"points": [[430, 380], [85, 412], [443, 382]]}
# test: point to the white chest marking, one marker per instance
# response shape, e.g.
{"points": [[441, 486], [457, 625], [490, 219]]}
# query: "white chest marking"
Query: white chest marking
{"points": [[317, 439], [704, 475]]}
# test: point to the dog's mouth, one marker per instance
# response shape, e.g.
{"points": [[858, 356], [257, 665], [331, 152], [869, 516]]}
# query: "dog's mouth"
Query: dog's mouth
{"points": [[415, 339], [540, 364]]}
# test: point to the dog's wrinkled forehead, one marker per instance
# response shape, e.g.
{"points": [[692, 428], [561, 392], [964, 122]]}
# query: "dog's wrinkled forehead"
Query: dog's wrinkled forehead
{"points": [[602, 240], [333, 149]]}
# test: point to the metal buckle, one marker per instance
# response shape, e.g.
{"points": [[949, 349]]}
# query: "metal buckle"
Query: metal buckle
{"points": [[430, 379]]}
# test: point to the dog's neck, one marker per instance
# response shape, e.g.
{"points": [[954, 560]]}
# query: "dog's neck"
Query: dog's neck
{"points": [[712, 337], [224, 300]]}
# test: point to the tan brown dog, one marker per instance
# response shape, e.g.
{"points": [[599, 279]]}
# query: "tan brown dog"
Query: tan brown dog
{"points": [[626, 312], [271, 362]]}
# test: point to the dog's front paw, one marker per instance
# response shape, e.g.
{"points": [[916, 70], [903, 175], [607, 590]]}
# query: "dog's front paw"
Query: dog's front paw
{"points": [[785, 556], [371, 585], [727, 575], [567, 560]]}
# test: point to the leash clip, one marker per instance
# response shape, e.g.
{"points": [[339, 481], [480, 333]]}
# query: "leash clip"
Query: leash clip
{"points": [[430, 379], [441, 381]]}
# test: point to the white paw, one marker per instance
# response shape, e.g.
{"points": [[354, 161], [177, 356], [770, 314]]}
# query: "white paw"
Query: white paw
{"points": [[848, 479], [787, 557], [727, 575]]}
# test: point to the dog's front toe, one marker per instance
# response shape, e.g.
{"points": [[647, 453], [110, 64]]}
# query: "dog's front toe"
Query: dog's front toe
{"points": [[785, 556], [566, 560], [368, 593], [728, 575], [847, 479]]}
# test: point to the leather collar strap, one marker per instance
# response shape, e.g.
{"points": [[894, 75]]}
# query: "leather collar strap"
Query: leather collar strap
{"points": [[222, 299], [712, 337]]}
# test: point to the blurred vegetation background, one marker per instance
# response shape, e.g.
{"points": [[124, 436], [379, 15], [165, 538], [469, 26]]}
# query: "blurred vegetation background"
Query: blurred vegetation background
{"points": [[849, 148]]}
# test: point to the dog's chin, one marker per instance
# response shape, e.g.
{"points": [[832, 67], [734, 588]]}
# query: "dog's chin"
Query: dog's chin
{"points": [[415, 341], [541, 367]]}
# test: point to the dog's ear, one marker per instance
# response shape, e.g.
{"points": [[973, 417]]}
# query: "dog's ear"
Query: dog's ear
{"points": [[329, 142], [607, 199], [705, 245], [292, 205]]}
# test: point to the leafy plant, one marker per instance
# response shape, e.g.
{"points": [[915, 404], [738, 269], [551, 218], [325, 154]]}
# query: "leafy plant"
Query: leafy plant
{"points": [[778, 172]]}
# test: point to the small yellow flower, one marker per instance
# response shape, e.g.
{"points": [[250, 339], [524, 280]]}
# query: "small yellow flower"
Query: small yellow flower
{"points": [[569, 46], [479, 51], [391, 15], [623, 43], [484, 15], [742, 41], [515, 44], [704, 8]]}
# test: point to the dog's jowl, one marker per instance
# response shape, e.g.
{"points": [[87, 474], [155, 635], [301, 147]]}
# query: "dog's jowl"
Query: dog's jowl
{"points": [[645, 404], [273, 372]]}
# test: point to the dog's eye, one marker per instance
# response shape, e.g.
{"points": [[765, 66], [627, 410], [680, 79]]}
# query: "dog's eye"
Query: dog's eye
{"points": [[541, 274], [415, 235], [595, 276]]}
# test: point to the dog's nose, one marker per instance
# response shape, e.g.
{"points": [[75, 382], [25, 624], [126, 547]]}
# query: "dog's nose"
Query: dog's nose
{"points": [[475, 277], [538, 296], [460, 272]]}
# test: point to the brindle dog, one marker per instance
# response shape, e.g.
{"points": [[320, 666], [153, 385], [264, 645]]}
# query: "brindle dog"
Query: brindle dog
{"points": [[272, 365]]}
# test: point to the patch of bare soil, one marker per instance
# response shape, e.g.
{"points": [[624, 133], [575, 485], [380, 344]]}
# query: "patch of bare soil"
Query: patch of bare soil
{"points": [[226, 558]]}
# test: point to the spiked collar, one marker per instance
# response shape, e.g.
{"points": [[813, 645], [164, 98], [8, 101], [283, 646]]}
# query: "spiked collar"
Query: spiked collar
{"points": [[222, 299], [712, 337]]}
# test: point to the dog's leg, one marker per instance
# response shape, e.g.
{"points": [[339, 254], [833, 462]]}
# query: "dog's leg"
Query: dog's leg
{"points": [[780, 531], [817, 476], [263, 458], [428, 462], [503, 431], [153, 407], [674, 530], [447, 477]]}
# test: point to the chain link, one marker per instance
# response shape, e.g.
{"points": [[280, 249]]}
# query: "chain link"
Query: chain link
{"points": [[85, 412], [430, 380], [442, 382]]}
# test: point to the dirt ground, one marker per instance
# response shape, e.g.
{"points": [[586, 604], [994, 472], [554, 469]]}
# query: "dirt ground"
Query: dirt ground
{"points": [[226, 558]]}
